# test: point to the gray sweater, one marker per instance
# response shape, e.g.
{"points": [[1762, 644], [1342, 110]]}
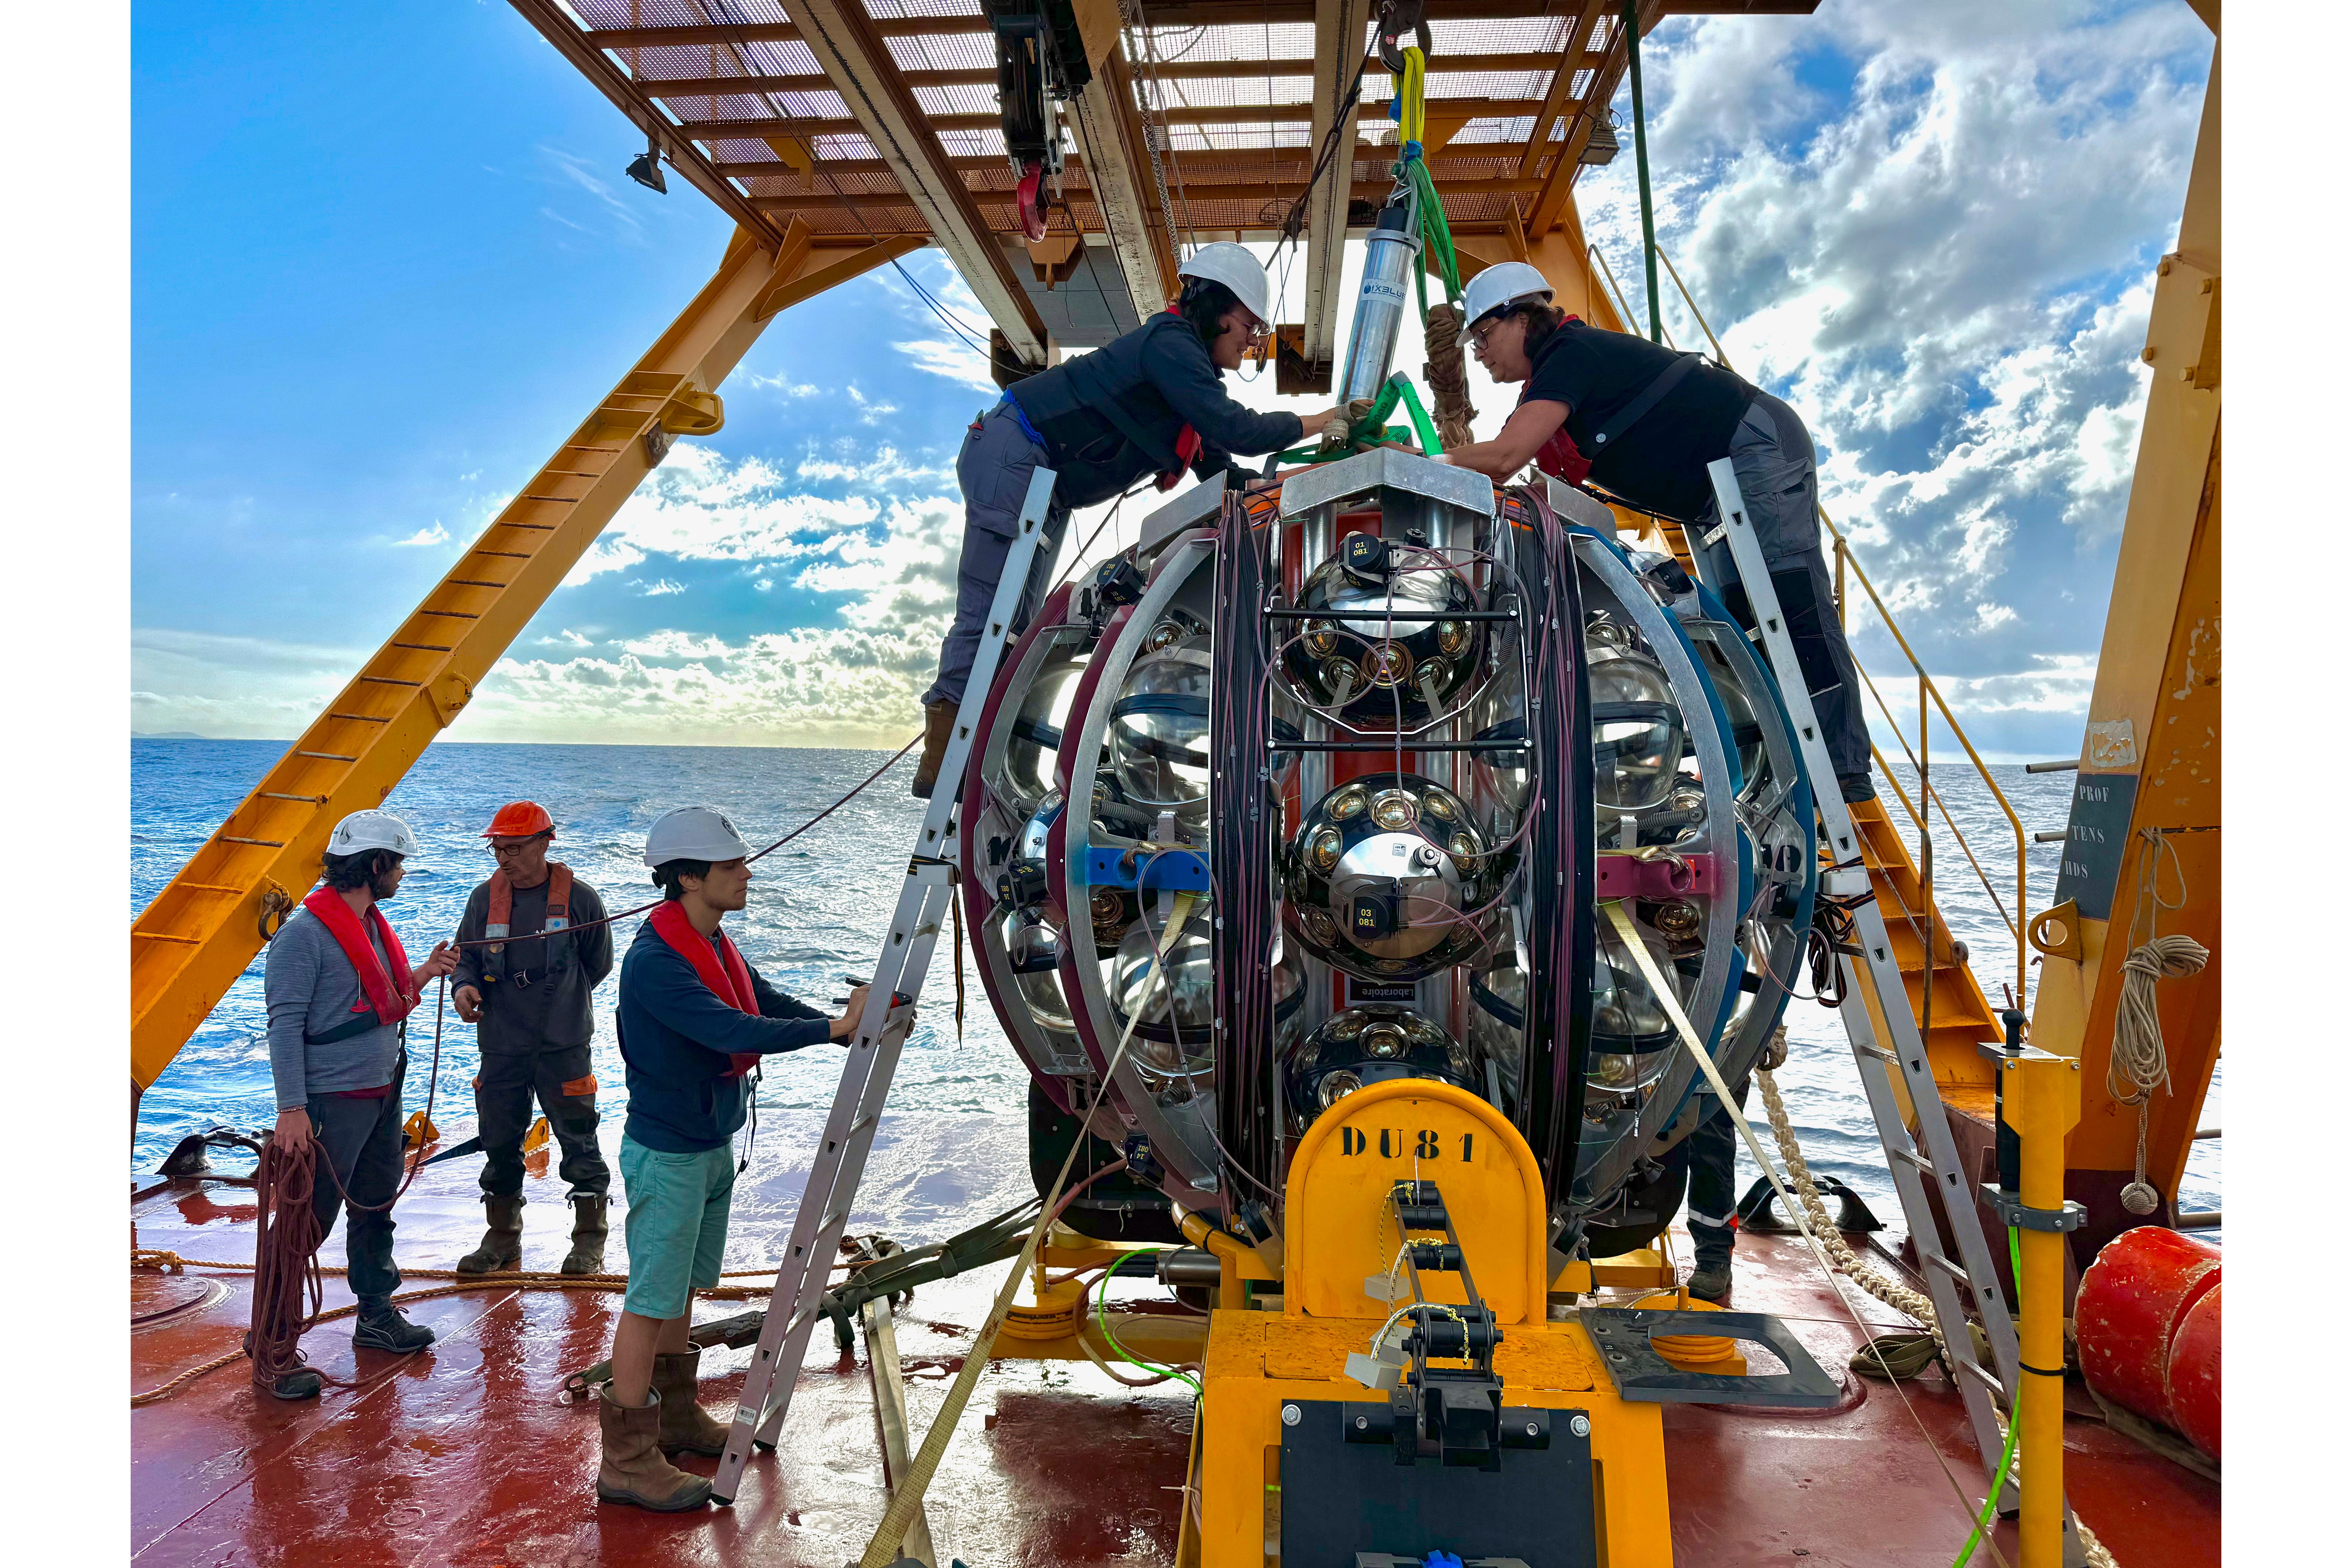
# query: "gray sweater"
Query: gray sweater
{"points": [[311, 988]]}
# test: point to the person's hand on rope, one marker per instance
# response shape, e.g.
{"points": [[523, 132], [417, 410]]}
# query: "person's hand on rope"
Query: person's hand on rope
{"points": [[293, 1128], [470, 1004], [440, 961]]}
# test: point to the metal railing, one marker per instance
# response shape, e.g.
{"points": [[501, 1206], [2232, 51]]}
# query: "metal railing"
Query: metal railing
{"points": [[1928, 692]]}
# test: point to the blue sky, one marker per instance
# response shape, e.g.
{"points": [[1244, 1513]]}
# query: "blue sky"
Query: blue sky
{"points": [[386, 259]]}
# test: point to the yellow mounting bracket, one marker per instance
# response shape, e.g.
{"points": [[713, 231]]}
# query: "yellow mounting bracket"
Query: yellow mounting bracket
{"points": [[2057, 933], [691, 411], [448, 692]]}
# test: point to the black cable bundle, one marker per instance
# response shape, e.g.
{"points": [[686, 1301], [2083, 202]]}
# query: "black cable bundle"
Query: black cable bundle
{"points": [[1244, 831]]}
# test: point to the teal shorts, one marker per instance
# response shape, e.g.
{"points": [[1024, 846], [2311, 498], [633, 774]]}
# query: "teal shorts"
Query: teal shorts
{"points": [[676, 1225]]}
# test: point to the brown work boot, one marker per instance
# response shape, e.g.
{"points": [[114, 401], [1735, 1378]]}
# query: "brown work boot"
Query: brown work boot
{"points": [[685, 1426], [501, 1245], [588, 1233], [939, 723], [634, 1469]]}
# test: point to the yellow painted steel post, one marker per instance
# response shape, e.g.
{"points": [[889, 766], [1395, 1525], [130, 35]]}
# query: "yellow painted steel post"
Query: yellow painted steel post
{"points": [[2042, 1099]]}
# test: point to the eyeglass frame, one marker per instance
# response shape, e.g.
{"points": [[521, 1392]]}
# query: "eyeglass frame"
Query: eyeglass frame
{"points": [[501, 851]]}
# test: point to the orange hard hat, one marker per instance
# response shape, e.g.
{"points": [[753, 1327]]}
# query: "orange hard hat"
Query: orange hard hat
{"points": [[520, 819]]}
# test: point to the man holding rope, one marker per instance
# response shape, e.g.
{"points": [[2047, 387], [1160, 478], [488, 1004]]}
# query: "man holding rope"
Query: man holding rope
{"points": [[338, 987], [695, 1019]]}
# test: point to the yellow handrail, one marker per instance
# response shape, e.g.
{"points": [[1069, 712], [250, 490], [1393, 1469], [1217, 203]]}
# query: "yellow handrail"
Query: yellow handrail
{"points": [[1926, 682]]}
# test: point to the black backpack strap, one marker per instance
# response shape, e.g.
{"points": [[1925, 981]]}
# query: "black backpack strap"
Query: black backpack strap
{"points": [[1646, 399], [350, 1028]]}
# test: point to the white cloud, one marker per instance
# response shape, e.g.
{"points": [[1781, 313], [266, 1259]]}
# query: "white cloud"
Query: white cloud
{"points": [[567, 637], [436, 535], [950, 357], [661, 588]]}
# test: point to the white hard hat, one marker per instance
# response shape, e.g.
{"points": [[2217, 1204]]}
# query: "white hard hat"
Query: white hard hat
{"points": [[1504, 283], [1232, 266], [365, 830], [694, 833]]}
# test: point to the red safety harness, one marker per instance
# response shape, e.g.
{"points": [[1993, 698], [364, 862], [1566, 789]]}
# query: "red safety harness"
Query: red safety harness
{"points": [[717, 964], [387, 999]]}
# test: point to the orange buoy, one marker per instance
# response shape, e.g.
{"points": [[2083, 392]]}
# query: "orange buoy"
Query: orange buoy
{"points": [[2192, 1374], [2131, 1302]]}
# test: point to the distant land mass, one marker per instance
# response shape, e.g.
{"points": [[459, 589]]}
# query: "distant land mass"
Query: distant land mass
{"points": [[167, 735]]}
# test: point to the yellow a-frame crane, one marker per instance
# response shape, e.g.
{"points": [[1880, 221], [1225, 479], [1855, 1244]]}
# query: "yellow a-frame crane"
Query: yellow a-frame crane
{"points": [[203, 928]]}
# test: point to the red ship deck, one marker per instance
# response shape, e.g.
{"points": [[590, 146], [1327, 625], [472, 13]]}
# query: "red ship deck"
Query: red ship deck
{"points": [[462, 1456]]}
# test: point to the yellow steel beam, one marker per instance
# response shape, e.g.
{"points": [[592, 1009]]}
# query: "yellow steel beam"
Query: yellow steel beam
{"points": [[850, 51], [1575, 56], [1552, 201], [1111, 148], [1338, 50], [2147, 797], [203, 928], [1283, 69]]}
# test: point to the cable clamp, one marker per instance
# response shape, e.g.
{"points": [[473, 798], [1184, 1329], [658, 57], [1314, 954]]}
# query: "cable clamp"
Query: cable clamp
{"points": [[2041, 1371], [2012, 1213]]}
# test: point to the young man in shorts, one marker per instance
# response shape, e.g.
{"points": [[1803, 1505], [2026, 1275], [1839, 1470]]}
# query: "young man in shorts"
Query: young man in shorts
{"points": [[695, 1019]]}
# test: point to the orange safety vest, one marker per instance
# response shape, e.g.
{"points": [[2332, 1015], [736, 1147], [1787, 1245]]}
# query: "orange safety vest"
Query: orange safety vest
{"points": [[499, 920]]}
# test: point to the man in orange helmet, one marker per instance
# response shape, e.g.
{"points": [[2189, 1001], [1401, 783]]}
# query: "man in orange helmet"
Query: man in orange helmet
{"points": [[539, 949]]}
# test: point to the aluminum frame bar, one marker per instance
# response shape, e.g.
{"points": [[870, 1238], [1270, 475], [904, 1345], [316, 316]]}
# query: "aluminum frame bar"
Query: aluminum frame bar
{"points": [[1877, 1008], [795, 1303]]}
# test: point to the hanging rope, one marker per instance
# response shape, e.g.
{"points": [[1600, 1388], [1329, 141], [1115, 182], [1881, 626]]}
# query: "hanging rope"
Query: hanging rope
{"points": [[1449, 376], [2136, 1065]]}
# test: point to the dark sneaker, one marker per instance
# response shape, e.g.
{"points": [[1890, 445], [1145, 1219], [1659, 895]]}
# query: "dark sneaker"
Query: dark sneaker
{"points": [[297, 1383], [1711, 1280], [382, 1328]]}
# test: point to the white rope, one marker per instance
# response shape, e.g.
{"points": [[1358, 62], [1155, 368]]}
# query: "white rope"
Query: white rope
{"points": [[2137, 1067]]}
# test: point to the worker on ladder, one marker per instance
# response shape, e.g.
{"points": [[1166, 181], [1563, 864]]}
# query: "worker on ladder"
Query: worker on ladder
{"points": [[695, 1019], [338, 987], [1148, 402], [533, 946], [1644, 422]]}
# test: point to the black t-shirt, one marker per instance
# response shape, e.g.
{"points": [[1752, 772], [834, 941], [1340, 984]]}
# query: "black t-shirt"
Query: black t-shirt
{"points": [[1660, 463]]}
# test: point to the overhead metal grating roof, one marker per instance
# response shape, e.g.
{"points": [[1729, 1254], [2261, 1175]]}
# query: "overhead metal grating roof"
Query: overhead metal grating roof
{"points": [[1218, 93]]}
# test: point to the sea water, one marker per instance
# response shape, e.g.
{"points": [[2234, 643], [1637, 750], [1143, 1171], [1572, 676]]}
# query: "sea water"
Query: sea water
{"points": [[820, 905]]}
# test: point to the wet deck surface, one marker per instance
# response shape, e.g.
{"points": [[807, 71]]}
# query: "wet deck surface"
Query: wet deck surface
{"points": [[462, 1456]]}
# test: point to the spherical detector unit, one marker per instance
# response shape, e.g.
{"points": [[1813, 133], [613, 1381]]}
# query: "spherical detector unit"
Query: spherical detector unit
{"points": [[1371, 1044], [1387, 878], [1385, 649]]}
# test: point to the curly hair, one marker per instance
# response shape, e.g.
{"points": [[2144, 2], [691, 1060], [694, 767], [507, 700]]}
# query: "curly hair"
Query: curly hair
{"points": [[368, 869], [667, 875], [1541, 321]]}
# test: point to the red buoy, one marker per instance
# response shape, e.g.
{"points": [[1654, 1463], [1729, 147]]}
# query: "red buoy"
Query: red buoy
{"points": [[2132, 1299], [2192, 1373]]}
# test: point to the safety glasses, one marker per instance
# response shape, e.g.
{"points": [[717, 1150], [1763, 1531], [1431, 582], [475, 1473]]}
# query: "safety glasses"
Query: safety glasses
{"points": [[500, 851]]}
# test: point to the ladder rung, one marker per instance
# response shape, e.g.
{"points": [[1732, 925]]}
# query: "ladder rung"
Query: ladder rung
{"points": [[1971, 1365], [509, 554], [422, 646], [567, 501], [1881, 1052], [328, 756], [452, 615], [388, 680], [305, 799], [534, 527], [211, 886], [1948, 1267], [474, 582], [363, 718], [167, 936], [1921, 1160], [232, 839]]}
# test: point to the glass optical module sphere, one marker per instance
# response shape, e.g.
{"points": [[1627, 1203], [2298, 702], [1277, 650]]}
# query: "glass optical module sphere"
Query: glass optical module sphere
{"points": [[1158, 742], [1175, 994], [1637, 724], [1371, 1044], [1383, 650], [1387, 877], [1632, 1038]]}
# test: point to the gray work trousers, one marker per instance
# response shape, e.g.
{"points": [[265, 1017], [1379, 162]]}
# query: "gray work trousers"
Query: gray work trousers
{"points": [[1772, 457], [565, 1084], [994, 469], [361, 1140]]}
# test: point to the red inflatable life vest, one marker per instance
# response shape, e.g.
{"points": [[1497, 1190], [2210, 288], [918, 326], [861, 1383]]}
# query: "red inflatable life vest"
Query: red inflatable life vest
{"points": [[723, 970], [387, 994], [501, 917]]}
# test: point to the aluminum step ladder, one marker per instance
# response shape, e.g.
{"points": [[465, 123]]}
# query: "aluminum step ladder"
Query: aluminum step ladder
{"points": [[1928, 1184], [831, 1191]]}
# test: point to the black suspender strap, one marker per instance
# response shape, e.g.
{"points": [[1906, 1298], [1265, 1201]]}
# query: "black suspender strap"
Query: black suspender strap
{"points": [[1649, 397]]}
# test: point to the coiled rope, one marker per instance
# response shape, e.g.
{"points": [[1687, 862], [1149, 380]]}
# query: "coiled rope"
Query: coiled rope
{"points": [[2136, 1066]]}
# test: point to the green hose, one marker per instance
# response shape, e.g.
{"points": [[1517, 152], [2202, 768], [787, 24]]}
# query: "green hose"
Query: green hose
{"points": [[2009, 1450], [1102, 1321]]}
